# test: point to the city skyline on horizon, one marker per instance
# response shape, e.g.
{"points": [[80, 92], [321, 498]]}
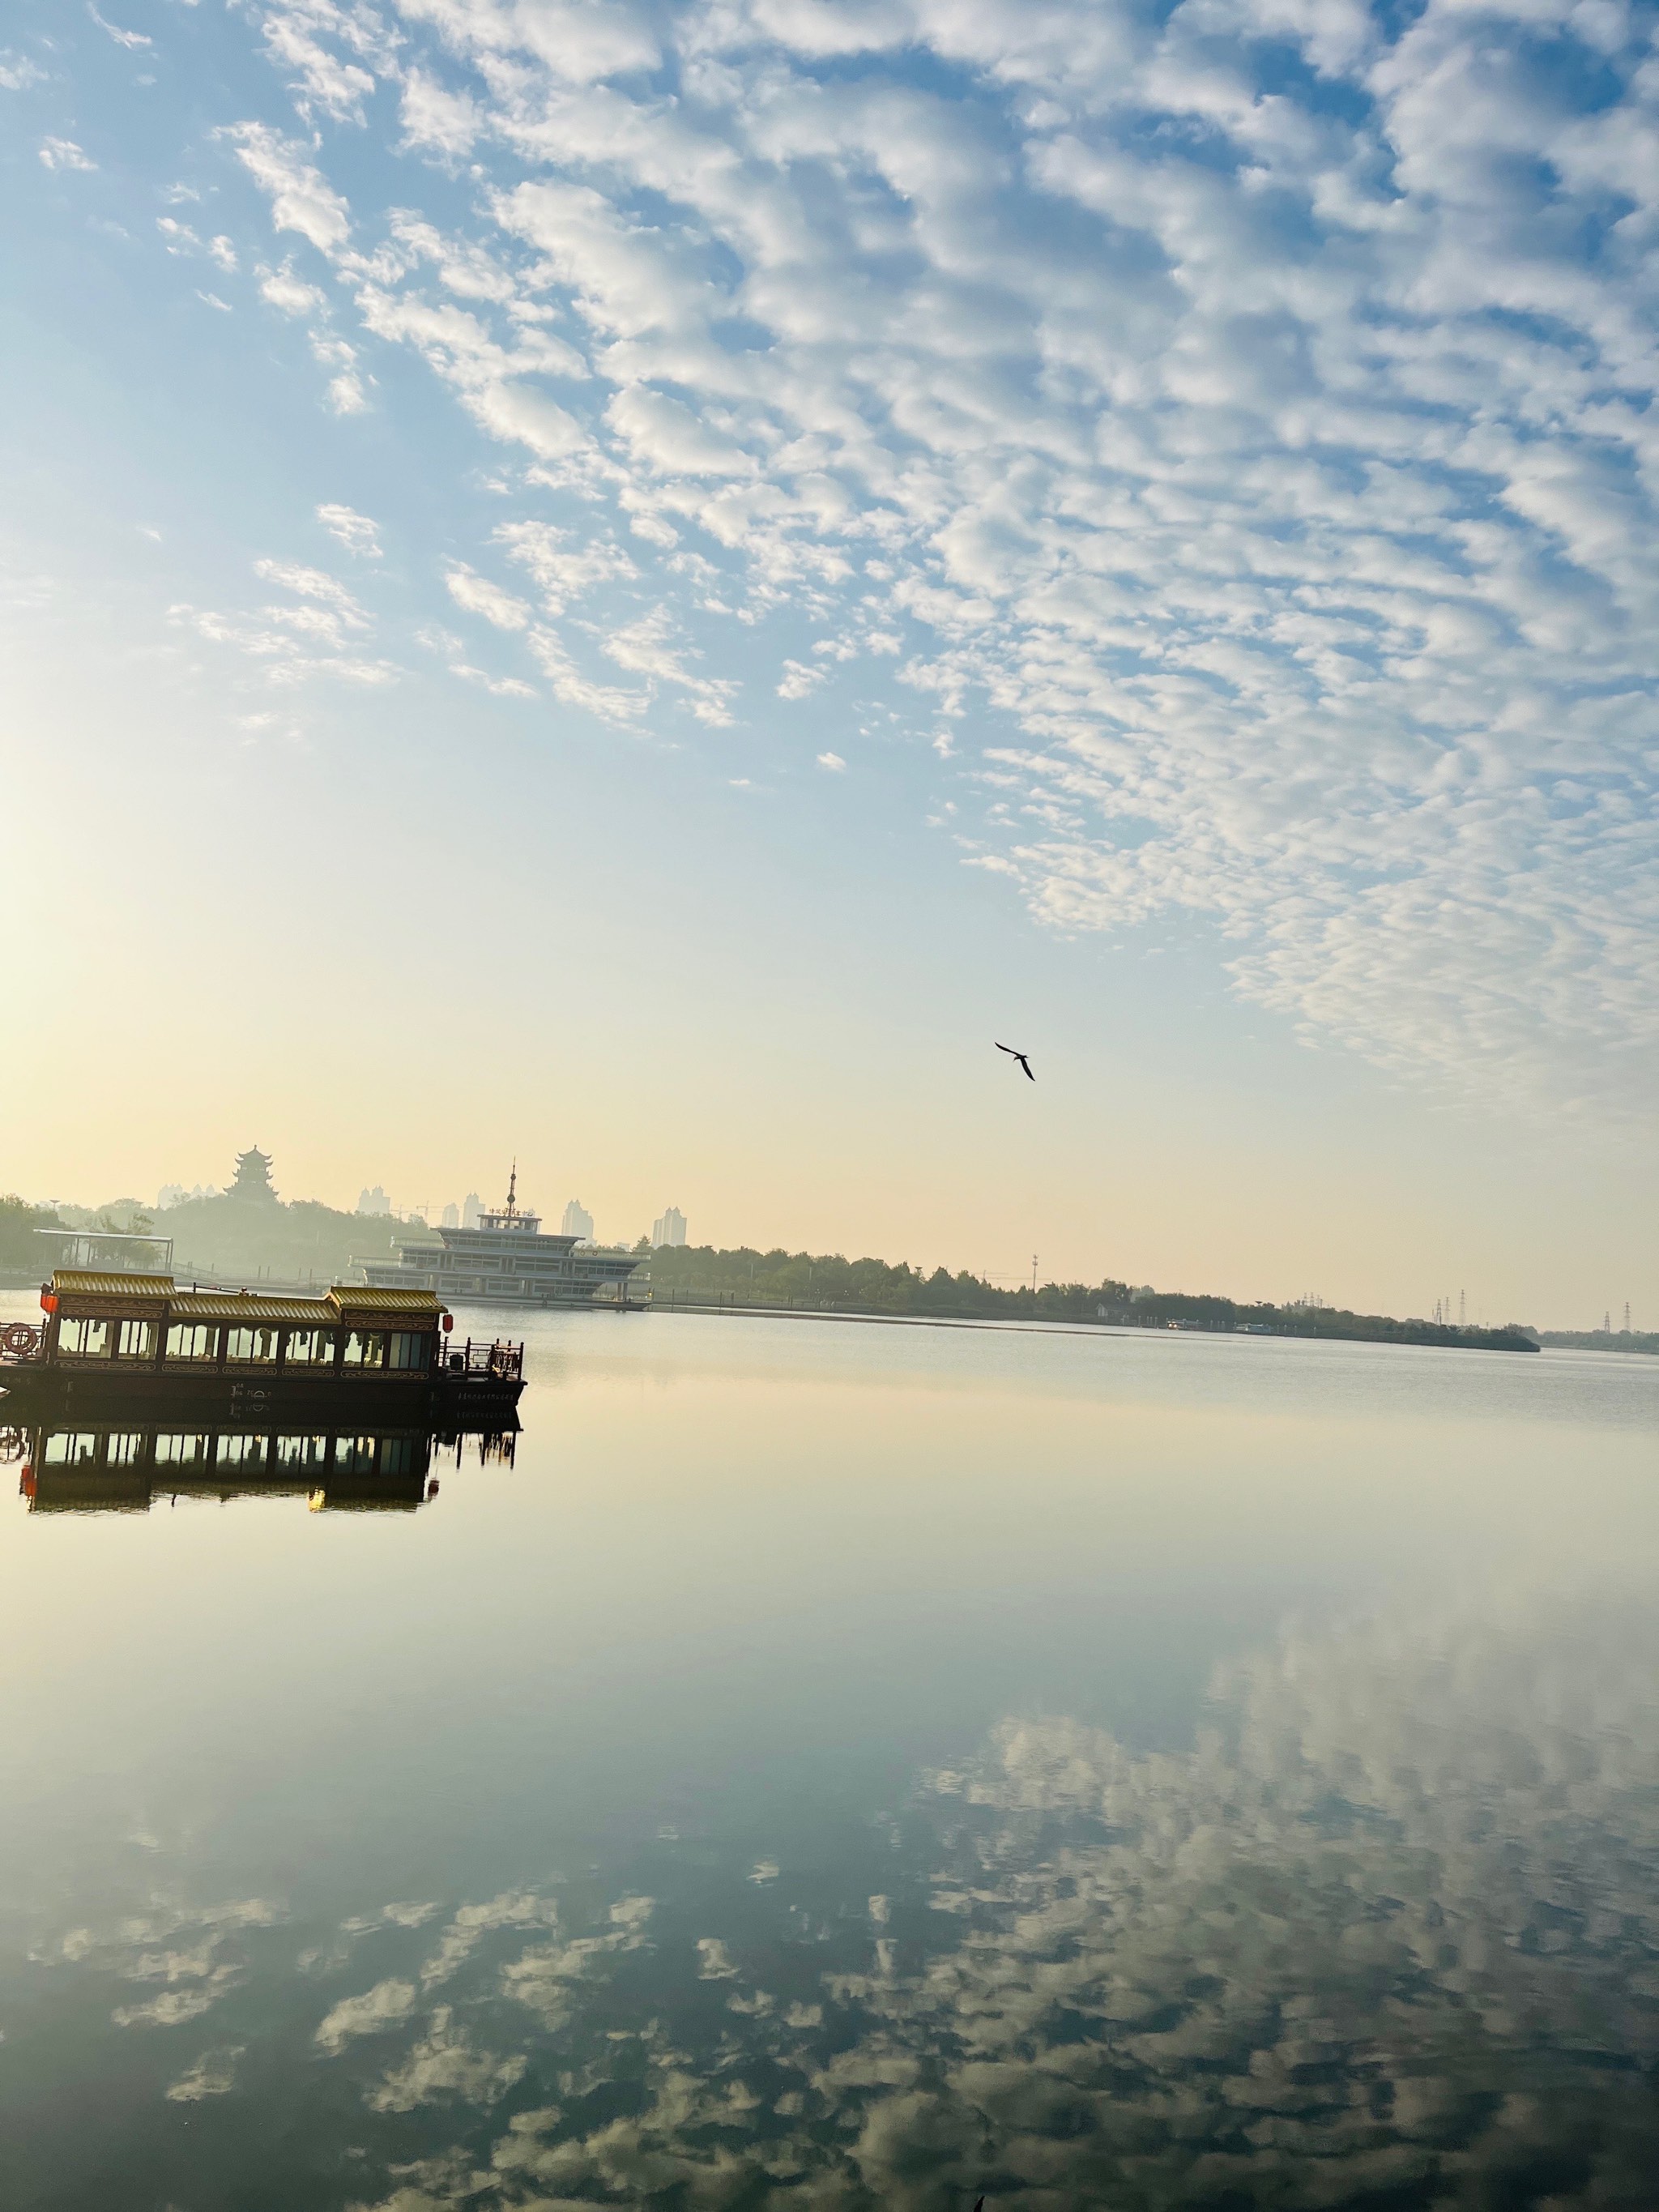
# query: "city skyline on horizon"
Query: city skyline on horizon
{"points": [[1438, 1305]]}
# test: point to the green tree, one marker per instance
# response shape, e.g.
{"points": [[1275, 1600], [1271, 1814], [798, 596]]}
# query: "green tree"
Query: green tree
{"points": [[19, 1247]]}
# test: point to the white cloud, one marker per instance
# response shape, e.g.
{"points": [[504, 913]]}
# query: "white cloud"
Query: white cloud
{"points": [[290, 644], [833, 761], [434, 118], [358, 533], [18, 73], [287, 293], [1264, 469], [321, 47], [64, 153], [480, 597], [798, 680], [564, 569], [300, 198], [499, 687], [313, 584], [647, 647], [572, 689], [129, 38], [577, 43]]}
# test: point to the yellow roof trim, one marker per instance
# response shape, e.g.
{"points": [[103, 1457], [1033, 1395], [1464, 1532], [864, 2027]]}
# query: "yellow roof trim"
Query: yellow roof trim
{"points": [[238, 1306], [99, 1283]]}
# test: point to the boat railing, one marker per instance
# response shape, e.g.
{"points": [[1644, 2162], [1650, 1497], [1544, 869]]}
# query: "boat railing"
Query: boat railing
{"points": [[501, 1362], [22, 1344]]}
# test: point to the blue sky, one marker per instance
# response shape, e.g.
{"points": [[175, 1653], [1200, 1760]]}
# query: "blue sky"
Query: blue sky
{"points": [[802, 534]]}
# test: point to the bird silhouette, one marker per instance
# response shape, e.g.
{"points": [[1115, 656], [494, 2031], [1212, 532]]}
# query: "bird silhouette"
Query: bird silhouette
{"points": [[1019, 1056]]}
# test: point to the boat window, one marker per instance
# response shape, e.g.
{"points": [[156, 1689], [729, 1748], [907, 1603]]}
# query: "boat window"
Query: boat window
{"points": [[365, 1347], [311, 1347], [256, 1346], [356, 1455], [123, 1449], [193, 1340], [182, 1451], [137, 1341], [82, 1338], [241, 1451], [407, 1350], [397, 1454], [71, 1448], [302, 1451]]}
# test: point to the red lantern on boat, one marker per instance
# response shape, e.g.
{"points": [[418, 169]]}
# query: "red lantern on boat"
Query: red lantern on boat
{"points": [[449, 1323], [48, 1302]]}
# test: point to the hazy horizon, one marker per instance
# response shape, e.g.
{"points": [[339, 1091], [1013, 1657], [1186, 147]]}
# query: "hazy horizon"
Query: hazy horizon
{"points": [[636, 585]]}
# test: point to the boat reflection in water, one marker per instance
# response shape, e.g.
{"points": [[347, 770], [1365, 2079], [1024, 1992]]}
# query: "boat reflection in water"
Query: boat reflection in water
{"points": [[124, 1465]]}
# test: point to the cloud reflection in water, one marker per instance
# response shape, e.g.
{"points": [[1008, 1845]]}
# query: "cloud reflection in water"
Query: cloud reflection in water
{"points": [[1387, 1936]]}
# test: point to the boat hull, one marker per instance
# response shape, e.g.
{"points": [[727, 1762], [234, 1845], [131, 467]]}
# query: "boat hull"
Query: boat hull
{"points": [[440, 1401]]}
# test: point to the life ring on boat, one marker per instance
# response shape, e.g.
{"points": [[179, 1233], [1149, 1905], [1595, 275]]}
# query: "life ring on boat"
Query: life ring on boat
{"points": [[19, 1339], [14, 1443]]}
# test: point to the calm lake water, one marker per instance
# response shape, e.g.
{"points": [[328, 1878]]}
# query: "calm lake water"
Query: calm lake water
{"points": [[836, 1766]]}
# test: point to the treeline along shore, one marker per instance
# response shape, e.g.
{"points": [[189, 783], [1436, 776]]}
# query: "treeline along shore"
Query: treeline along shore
{"points": [[227, 1238], [690, 1275], [215, 1238]]}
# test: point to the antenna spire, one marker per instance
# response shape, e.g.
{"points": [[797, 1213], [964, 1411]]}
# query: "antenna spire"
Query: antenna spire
{"points": [[512, 1189]]}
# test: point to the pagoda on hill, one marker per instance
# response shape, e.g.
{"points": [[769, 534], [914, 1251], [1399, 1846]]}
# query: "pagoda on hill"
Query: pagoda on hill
{"points": [[252, 1178]]}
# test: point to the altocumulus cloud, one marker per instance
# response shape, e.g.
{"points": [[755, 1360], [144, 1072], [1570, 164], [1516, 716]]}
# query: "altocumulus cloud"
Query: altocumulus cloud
{"points": [[1243, 412]]}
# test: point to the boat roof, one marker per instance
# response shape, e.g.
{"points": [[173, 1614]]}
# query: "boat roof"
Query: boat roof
{"points": [[246, 1305], [95, 1283]]}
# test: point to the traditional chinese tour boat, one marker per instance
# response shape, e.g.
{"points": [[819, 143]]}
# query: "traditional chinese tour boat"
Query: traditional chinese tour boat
{"points": [[356, 1353]]}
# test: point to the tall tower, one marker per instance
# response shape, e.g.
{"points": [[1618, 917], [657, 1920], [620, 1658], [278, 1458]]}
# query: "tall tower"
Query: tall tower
{"points": [[252, 1177]]}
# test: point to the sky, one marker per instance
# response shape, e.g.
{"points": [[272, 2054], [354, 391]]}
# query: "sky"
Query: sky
{"points": [[633, 585]]}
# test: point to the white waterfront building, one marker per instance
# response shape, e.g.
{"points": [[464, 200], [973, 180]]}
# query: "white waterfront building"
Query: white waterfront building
{"points": [[578, 1221], [505, 1261], [669, 1228]]}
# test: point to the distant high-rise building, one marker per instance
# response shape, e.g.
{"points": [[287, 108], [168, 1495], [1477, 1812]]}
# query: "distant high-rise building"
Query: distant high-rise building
{"points": [[374, 1201], [669, 1228], [471, 1206], [174, 1193], [578, 1221], [452, 1217]]}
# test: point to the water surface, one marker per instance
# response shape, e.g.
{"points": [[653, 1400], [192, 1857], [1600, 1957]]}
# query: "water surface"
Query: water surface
{"points": [[833, 1765]]}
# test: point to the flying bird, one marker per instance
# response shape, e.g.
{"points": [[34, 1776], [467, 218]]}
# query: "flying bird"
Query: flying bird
{"points": [[1019, 1056]]}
